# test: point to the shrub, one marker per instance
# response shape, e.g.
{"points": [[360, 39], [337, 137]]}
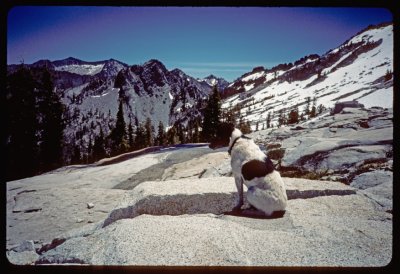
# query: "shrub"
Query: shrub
{"points": [[273, 145], [276, 154]]}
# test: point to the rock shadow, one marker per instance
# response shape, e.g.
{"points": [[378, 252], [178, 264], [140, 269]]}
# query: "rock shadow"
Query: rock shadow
{"points": [[255, 214]]}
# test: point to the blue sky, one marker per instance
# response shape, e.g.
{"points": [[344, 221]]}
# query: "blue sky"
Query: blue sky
{"points": [[224, 41]]}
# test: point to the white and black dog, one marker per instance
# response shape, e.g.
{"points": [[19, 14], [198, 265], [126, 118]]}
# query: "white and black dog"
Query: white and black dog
{"points": [[265, 188]]}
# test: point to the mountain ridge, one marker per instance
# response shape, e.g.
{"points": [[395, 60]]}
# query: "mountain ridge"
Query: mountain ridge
{"points": [[360, 68]]}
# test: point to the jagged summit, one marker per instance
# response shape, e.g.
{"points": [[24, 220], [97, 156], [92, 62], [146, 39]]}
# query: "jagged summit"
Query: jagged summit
{"points": [[212, 80], [154, 62], [211, 76]]}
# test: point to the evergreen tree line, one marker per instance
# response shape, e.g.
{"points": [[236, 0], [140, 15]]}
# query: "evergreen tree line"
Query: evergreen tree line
{"points": [[124, 138], [294, 116], [33, 139], [36, 119], [285, 117]]}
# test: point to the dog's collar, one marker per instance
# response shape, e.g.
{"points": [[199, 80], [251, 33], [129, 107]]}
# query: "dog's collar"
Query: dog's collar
{"points": [[234, 142]]}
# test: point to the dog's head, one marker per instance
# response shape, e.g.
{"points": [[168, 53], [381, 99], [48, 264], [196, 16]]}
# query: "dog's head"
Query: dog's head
{"points": [[224, 132]]}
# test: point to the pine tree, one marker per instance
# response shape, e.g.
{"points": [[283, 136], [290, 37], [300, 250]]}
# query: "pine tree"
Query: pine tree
{"points": [[76, 155], [293, 116], [181, 133], [196, 135], [118, 133], [52, 124], [21, 125], [90, 150], [321, 108], [281, 118], [313, 111], [149, 133], [183, 99], [189, 132], [139, 137], [161, 138], [307, 107], [172, 138], [388, 75], [302, 117], [130, 136], [268, 120], [99, 151], [229, 116], [212, 113]]}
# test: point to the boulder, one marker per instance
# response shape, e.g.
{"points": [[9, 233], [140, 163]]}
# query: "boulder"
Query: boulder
{"points": [[22, 258], [27, 245]]}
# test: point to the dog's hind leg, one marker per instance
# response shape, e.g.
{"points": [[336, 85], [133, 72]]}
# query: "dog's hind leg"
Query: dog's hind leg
{"points": [[260, 200]]}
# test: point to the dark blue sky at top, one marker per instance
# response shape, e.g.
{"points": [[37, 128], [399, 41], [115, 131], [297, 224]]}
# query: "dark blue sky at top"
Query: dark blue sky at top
{"points": [[225, 41]]}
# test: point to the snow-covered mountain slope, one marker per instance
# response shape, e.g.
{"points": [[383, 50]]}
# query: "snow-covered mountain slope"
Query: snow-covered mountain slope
{"points": [[147, 91], [80, 67], [359, 69]]}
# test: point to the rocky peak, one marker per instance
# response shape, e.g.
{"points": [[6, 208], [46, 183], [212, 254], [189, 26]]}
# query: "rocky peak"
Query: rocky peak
{"points": [[211, 76], [213, 80], [68, 61], [112, 67], [43, 63], [154, 73], [178, 73], [154, 63]]}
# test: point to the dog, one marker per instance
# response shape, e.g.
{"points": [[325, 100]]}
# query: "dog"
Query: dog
{"points": [[265, 187]]}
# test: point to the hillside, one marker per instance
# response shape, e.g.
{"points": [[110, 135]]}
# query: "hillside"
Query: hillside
{"points": [[359, 69]]}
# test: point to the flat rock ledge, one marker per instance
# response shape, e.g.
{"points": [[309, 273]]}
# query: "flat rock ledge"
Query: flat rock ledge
{"points": [[206, 195], [181, 222]]}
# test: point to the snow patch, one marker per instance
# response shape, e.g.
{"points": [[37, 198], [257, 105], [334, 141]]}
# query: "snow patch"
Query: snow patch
{"points": [[382, 98], [81, 69]]}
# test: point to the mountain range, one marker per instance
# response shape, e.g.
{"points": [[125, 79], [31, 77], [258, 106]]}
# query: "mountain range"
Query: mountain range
{"points": [[359, 69]]}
